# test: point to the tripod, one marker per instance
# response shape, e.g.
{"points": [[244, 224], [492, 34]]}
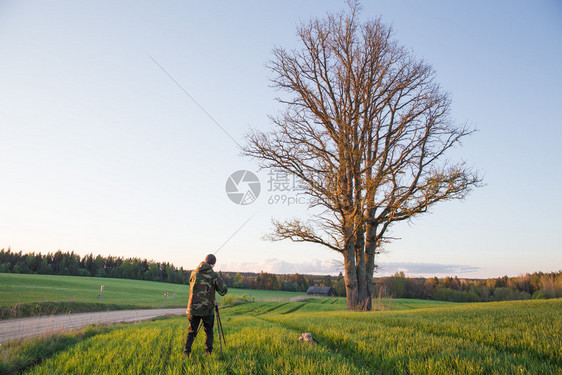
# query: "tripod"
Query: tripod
{"points": [[219, 327]]}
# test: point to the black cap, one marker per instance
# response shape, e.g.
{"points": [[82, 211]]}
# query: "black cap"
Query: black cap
{"points": [[210, 259]]}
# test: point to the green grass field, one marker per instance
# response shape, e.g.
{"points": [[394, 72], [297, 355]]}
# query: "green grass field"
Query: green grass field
{"points": [[24, 295], [414, 337], [521, 337], [28, 295]]}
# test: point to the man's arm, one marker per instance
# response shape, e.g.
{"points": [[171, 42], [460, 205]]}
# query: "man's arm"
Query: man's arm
{"points": [[220, 285]]}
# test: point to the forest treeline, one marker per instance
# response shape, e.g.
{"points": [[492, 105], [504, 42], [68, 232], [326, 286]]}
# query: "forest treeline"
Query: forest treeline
{"points": [[536, 285]]}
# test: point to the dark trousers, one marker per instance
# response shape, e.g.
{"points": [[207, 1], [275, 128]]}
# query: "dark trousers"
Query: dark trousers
{"points": [[194, 321]]}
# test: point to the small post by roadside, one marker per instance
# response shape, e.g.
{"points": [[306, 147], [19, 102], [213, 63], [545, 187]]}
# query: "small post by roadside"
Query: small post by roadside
{"points": [[101, 293]]}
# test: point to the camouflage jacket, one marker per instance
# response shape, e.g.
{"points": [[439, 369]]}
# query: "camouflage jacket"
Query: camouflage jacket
{"points": [[203, 284]]}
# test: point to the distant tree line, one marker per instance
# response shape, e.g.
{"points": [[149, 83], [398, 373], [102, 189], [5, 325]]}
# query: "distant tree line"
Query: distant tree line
{"points": [[288, 282], [72, 264], [536, 285]]}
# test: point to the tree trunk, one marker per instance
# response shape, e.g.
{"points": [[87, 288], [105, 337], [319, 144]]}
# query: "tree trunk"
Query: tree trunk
{"points": [[362, 287], [350, 277], [358, 280], [370, 247]]}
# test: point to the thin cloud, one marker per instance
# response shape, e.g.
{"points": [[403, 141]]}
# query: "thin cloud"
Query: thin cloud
{"points": [[424, 269], [333, 267], [278, 266]]}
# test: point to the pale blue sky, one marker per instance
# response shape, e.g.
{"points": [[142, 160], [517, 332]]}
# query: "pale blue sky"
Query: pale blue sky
{"points": [[101, 152]]}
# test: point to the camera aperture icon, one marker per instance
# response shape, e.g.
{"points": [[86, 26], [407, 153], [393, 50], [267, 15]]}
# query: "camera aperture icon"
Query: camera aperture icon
{"points": [[243, 187]]}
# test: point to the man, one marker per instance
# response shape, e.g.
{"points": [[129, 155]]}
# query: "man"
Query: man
{"points": [[203, 284]]}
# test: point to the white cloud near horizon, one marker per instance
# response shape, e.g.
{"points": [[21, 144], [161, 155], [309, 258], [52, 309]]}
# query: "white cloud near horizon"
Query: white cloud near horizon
{"points": [[278, 266], [333, 267], [425, 269]]}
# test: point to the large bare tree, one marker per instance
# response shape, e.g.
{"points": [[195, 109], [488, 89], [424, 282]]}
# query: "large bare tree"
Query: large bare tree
{"points": [[366, 128]]}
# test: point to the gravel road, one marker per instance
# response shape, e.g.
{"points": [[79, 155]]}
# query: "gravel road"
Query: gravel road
{"points": [[12, 329]]}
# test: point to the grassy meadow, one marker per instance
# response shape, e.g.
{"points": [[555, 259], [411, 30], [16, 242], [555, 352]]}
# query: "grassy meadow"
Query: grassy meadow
{"points": [[31, 295], [418, 337]]}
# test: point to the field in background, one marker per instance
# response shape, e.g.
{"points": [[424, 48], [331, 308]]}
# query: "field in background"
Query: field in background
{"points": [[29, 295], [262, 338], [23, 295]]}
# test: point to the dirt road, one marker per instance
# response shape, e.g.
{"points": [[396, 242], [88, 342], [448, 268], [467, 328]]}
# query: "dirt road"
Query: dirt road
{"points": [[27, 327]]}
